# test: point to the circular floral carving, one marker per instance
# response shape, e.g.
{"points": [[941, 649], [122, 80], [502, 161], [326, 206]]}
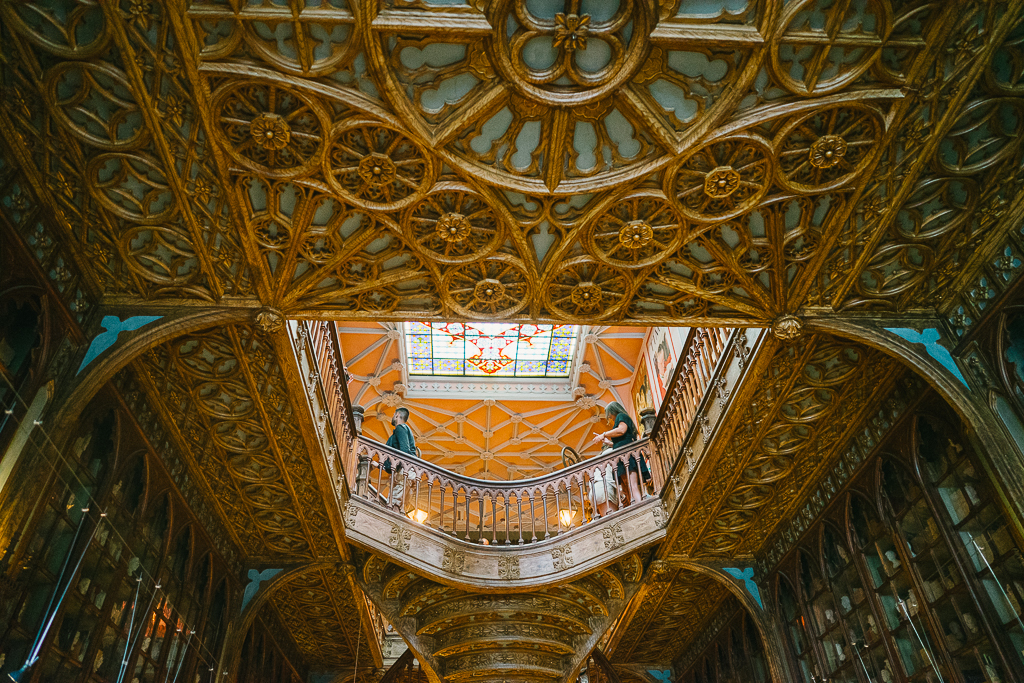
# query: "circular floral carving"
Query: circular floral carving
{"points": [[635, 234], [377, 171], [454, 225], [586, 297], [848, 131], [495, 287], [584, 289], [827, 151], [723, 179], [269, 129], [637, 230], [721, 182], [489, 291], [377, 167]]}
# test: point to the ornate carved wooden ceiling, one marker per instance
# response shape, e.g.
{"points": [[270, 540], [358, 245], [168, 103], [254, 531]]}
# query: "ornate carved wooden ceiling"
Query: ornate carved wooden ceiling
{"points": [[636, 162], [537, 636], [714, 161], [521, 438]]}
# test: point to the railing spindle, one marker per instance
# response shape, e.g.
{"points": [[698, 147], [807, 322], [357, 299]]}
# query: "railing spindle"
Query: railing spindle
{"points": [[494, 519], [519, 516], [508, 538], [544, 502], [480, 532], [533, 517]]}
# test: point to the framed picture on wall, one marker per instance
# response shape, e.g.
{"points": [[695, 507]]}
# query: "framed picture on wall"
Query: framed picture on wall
{"points": [[662, 353], [641, 392]]}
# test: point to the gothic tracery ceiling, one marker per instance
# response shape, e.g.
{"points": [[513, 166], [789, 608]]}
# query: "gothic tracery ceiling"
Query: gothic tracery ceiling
{"points": [[720, 161]]}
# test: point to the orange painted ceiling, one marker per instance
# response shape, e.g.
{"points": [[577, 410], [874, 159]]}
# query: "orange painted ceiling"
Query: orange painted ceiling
{"points": [[491, 438]]}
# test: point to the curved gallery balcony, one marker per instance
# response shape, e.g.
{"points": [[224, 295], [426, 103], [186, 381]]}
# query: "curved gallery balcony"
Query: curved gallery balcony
{"points": [[510, 535], [502, 534]]}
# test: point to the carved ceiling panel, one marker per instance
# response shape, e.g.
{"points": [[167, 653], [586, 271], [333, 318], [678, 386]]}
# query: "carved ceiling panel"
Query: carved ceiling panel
{"points": [[811, 400], [225, 397], [369, 158], [465, 636], [669, 616], [319, 612]]}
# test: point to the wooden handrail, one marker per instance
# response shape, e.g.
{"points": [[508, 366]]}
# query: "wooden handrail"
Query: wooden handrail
{"points": [[520, 511], [691, 382], [329, 363]]}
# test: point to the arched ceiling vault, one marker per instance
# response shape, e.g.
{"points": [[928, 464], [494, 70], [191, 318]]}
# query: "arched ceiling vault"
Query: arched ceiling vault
{"points": [[482, 436], [634, 162]]}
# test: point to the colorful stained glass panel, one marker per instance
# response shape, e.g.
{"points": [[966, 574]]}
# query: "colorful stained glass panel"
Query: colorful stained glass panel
{"points": [[490, 349]]}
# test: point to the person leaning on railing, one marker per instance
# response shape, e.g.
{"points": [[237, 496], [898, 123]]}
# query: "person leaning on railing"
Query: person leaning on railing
{"points": [[624, 432]]}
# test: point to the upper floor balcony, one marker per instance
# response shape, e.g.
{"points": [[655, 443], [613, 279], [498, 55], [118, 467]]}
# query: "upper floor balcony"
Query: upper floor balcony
{"points": [[508, 535]]}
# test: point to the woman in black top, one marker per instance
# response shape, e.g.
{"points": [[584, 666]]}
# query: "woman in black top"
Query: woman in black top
{"points": [[623, 432]]}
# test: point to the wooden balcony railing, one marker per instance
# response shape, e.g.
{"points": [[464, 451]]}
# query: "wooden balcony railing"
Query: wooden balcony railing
{"points": [[512, 512], [327, 352], [694, 378], [532, 510]]}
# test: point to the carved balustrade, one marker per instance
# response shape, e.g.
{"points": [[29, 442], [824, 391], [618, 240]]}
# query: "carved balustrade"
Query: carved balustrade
{"points": [[323, 340], [513, 512], [695, 377]]}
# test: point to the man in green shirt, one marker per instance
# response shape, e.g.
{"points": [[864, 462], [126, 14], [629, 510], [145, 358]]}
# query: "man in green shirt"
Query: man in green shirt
{"points": [[401, 439]]}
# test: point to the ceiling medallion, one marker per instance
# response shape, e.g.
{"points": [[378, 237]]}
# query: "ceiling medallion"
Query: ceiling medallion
{"points": [[635, 234], [453, 227], [489, 290], [787, 327], [721, 182], [571, 31], [827, 151], [587, 296], [270, 131], [376, 170]]}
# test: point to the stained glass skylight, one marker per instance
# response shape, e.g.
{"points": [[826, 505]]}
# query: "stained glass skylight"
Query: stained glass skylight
{"points": [[489, 349]]}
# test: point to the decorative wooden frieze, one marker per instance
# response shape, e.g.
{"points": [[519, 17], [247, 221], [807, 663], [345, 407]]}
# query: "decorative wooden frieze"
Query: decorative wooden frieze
{"points": [[561, 557], [454, 560], [508, 567]]}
